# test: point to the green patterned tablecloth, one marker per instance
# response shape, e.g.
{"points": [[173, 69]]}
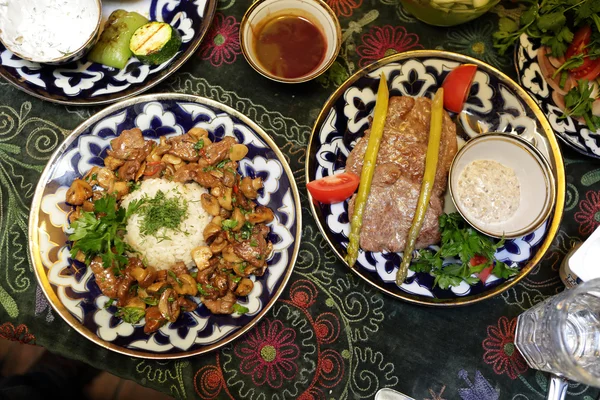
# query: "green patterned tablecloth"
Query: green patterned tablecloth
{"points": [[335, 337]]}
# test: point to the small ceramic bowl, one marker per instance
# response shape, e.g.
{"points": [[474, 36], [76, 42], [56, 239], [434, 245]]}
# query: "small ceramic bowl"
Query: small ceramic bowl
{"points": [[17, 13], [534, 174], [316, 11]]}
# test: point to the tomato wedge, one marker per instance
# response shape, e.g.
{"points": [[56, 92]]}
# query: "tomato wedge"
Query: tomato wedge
{"points": [[486, 272], [334, 188], [590, 69], [591, 72], [457, 85]]}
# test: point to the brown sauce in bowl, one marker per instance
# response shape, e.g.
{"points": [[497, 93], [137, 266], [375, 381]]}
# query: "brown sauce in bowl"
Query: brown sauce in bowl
{"points": [[289, 46]]}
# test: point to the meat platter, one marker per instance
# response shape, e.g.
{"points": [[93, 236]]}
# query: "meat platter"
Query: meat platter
{"points": [[494, 102]]}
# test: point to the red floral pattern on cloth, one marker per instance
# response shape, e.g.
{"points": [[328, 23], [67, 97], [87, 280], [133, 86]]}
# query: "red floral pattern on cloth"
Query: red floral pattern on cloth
{"points": [[268, 352], [500, 350], [383, 41], [20, 333], [588, 215], [222, 42], [345, 8]]}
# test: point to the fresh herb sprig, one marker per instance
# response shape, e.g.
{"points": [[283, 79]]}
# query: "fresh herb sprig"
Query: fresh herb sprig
{"points": [[551, 21], [578, 103], [463, 243], [100, 233]]}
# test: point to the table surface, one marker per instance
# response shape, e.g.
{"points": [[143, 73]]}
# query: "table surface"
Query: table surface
{"points": [[352, 340]]}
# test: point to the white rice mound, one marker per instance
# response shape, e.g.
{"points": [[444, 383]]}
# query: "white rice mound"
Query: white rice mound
{"points": [[163, 253]]}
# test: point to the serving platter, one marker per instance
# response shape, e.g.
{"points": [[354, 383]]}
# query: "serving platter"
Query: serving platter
{"points": [[572, 132], [495, 102], [71, 287], [85, 83]]}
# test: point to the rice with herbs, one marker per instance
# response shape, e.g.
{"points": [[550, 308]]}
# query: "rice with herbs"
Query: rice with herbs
{"points": [[163, 247]]}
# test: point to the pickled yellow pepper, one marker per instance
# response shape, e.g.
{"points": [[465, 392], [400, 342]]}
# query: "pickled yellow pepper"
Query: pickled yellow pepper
{"points": [[366, 176], [431, 162]]}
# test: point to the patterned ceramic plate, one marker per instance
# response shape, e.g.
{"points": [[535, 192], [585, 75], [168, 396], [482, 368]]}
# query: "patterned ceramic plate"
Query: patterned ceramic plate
{"points": [[85, 83], [71, 288], [499, 105], [571, 131]]}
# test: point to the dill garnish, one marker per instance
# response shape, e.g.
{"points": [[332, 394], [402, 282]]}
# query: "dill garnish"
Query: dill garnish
{"points": [[161, 213]]}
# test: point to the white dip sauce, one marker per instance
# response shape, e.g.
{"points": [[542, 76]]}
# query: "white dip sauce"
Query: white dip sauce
{"points": [[489, 191], [44, 30]]}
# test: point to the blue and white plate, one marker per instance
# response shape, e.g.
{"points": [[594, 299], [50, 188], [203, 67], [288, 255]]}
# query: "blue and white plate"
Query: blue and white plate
{"points": [[571, 131], [86, 83], [495, 101], [71, 288]]}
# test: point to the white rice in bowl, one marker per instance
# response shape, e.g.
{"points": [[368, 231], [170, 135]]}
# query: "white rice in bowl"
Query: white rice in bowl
{"points": [[172, 245]]}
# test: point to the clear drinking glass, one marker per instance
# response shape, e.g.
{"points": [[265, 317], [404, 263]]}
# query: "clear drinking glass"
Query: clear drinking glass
{"points": [[561, 335]]}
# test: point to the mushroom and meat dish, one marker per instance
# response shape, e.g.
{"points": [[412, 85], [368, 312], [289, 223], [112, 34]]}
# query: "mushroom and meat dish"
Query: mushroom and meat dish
{"points": [[169, 226]]}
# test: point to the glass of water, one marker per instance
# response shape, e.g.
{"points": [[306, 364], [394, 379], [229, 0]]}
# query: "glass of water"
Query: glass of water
{"points": [[561, 335]]}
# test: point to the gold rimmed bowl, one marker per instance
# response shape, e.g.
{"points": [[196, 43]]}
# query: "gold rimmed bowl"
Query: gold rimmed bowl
{"points": [[317, 12]]}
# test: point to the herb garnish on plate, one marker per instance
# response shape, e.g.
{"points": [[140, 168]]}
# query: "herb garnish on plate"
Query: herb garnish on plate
{"points": [[465, 244]]}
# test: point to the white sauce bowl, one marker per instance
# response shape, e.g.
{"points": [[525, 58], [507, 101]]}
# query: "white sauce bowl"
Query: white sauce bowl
{"points": [[536, 180], [50, 31]]}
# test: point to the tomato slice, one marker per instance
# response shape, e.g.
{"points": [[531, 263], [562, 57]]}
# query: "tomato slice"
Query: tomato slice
{"points": [[334, 188], [591, 72], [581, 39], [485, 273], [457, 85]]}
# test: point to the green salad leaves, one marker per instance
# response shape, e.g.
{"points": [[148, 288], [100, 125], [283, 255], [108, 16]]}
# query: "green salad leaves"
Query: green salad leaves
{"points": [[463, 243]]}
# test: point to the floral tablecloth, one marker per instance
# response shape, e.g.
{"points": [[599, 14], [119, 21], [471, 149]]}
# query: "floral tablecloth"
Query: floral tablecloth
{"points": [[330, 336]]}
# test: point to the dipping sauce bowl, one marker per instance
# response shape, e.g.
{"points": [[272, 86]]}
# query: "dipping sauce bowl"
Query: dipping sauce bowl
{"points": [[290, 41], [531, 170]]}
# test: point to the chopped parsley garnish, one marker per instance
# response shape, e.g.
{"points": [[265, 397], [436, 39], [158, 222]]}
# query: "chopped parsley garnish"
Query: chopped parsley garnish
{"points": [[240, 309], [253, 243], [222, 163], [94, 177], [103, 236], [236, 279], [199, 144], [463, 243], [109, 303], [161, 213], [229, 224], [246, 230], [201, 289], [133, 185], [175, 278], [131, 315], [151, 301]]}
